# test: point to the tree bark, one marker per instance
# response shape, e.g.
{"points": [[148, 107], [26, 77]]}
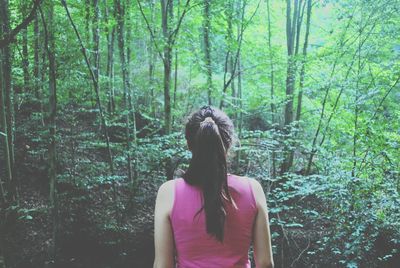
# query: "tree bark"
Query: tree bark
{"points": [[272, 84], [291, 33], [8, 97], [4, 136], [96, 41], [49, 29], [207, 47], [167, 59], [110, 32], [36, 66], [120, 12], [25, 52], [152, 59], [303, 63], [9, 36]]}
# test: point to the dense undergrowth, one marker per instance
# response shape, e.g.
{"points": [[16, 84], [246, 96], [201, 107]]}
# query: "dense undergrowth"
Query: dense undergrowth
{"points": [[328, 218]]}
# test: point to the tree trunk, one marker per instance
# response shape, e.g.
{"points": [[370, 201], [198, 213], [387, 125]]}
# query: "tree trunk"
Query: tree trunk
{"points": [[303, 64], [229, 68], [152, 59], [4, 136], [120, 9], [240, 114], [272, 84], [291, 33], [207, 47], [87, 21], [175, 72], [96, 41], [36, 66], [87, 35], [25, 52], [49, 29], [167, 59], [7, 98], [110, 32], [131, 93]]}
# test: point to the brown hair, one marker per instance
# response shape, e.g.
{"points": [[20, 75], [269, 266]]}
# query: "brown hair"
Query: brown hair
{"points": [[209, 134]]}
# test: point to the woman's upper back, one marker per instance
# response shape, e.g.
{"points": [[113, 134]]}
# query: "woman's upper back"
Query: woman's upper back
{"points": [[196, 248]]}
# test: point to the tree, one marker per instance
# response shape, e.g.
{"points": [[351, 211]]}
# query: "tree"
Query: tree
{"points": [[169, 34], [207, 47], [96, 89], [293, 26], [128, 108], [25, 52], [8, 100], [49, 30], [110, 33]]}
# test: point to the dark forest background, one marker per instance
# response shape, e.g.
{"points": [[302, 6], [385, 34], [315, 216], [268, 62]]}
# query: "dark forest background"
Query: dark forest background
{"points": [[94, 95]]}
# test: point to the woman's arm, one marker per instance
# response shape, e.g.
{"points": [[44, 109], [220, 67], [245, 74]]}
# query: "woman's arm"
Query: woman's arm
{"points": [[261, 232], [163, 238]]}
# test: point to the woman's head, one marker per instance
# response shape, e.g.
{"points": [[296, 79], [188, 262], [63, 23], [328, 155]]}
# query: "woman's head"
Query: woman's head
{"points": [[220, 124], [209, 135]]}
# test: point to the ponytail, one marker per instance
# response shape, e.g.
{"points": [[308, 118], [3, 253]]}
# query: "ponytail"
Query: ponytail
{"points": [[209, 141]]}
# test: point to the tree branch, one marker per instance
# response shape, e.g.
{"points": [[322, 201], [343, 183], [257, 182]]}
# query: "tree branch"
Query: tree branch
{"points": [[10, 37], [150, 30]]}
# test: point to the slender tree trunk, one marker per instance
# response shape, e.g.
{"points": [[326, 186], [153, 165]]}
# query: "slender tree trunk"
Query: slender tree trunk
{"points": [[49, 29], [176, 70], [291, 33], [4, 136], [356, 109], [7, 97], [240, 114], [96, 41], [166, 18], [120, 9], [42, 72], [36, 66], [175, 77], [229, 62], [87, 21], [110, 32], [25, 52], [167, 60], [207, 47], [152, 58], [272, 84], [290, 74], [131, 93], [232, 66], [303, 63], [89, 94]]}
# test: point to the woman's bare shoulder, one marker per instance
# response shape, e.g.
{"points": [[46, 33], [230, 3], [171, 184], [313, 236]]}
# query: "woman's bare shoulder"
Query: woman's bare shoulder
{"points": [[254, 183], [166, 191]]}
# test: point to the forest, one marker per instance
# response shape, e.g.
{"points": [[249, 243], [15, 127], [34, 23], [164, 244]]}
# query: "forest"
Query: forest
{"points": [[94, 95]]}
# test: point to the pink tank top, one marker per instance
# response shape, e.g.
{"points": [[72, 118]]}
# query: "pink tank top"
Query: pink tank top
{"points": [[197, 249]]}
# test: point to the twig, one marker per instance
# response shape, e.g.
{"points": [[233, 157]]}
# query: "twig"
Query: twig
{"points": [[301, 253]]}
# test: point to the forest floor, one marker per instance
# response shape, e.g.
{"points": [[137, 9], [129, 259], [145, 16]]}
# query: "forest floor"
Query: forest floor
{"points": [[99, 223], [102, 223]]}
